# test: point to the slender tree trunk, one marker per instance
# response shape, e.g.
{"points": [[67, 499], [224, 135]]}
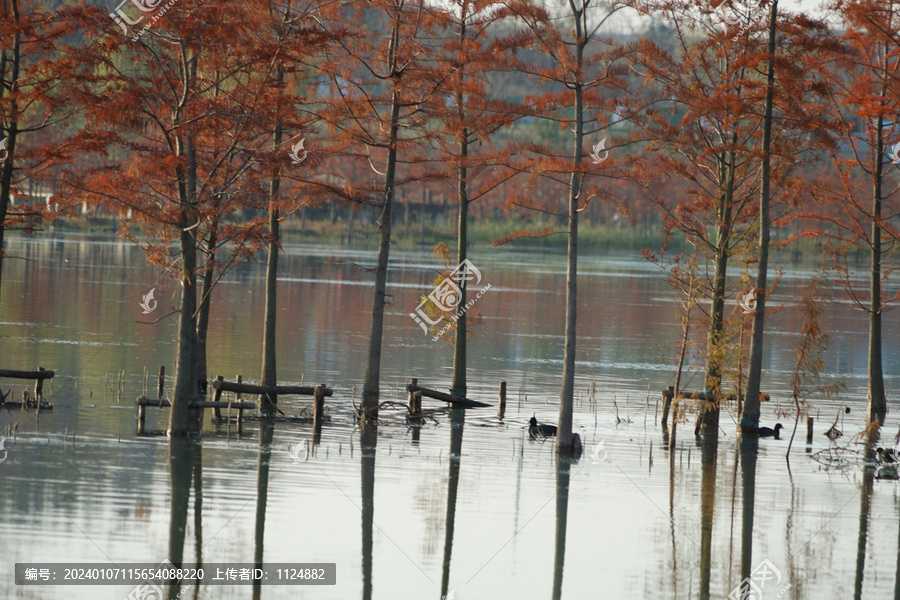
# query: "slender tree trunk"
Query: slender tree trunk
{"points": [[186, 362], [263, 461], [457, 422], [875, 394], [205, 296], [269, 361], [462, 239], [865, 499], [715, 355], [368, 441], [750, 416], [564, 438], [370, 397], [12, 132], [563, 477], [269, 374], [6, 176], [459, 351], [709, 463]]}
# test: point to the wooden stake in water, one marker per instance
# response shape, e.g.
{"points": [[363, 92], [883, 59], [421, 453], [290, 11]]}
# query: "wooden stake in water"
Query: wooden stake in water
{"points": [[161, 382], [39, 388]]}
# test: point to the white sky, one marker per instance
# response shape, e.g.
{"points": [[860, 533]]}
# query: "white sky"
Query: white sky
{"points": [[814, 8]]}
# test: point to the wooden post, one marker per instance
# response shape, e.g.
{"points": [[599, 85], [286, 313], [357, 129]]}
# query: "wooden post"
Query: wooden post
{"points": [[667, 401], [502, 408], [318, 412], [237, 396], [414, 403], [217, 397], [39, 387], [319, 406], [161, 382], [809, 430], [411, 398]]}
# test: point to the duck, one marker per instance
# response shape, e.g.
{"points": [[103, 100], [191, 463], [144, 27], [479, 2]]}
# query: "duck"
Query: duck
{"points": [[769, 432], [539, 430], [887, 472], [885, 456]]}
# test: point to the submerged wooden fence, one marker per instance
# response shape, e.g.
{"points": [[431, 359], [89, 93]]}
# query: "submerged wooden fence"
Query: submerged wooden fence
{"points": [[270, 393], [38, 376], [416, 392], [669, 394]]}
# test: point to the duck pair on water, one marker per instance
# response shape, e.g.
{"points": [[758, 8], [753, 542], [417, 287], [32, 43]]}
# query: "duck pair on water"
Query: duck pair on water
{"points": [[541, 430]]}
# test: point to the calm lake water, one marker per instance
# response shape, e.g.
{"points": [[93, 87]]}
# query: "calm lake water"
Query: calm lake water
{"points": [[468, 506]]}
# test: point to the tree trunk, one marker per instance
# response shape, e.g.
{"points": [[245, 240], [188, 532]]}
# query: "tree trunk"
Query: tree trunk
{"points": [[715, 353], [269, 374], [12, 132], [186, 361], [709, 463], [750, 416], [6, 175], [205, 295], [370, 395], [564, 438], [875, 395], [462, 239]]}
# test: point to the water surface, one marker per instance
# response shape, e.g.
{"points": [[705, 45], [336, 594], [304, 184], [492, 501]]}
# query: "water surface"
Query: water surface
{"points": [[467, 503]]}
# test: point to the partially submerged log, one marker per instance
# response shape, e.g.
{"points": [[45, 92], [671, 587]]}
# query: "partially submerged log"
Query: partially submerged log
{"points": [[670, 393], [144, 401], [40, 374], [455, 400], [247, 388], [24, 404]]}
